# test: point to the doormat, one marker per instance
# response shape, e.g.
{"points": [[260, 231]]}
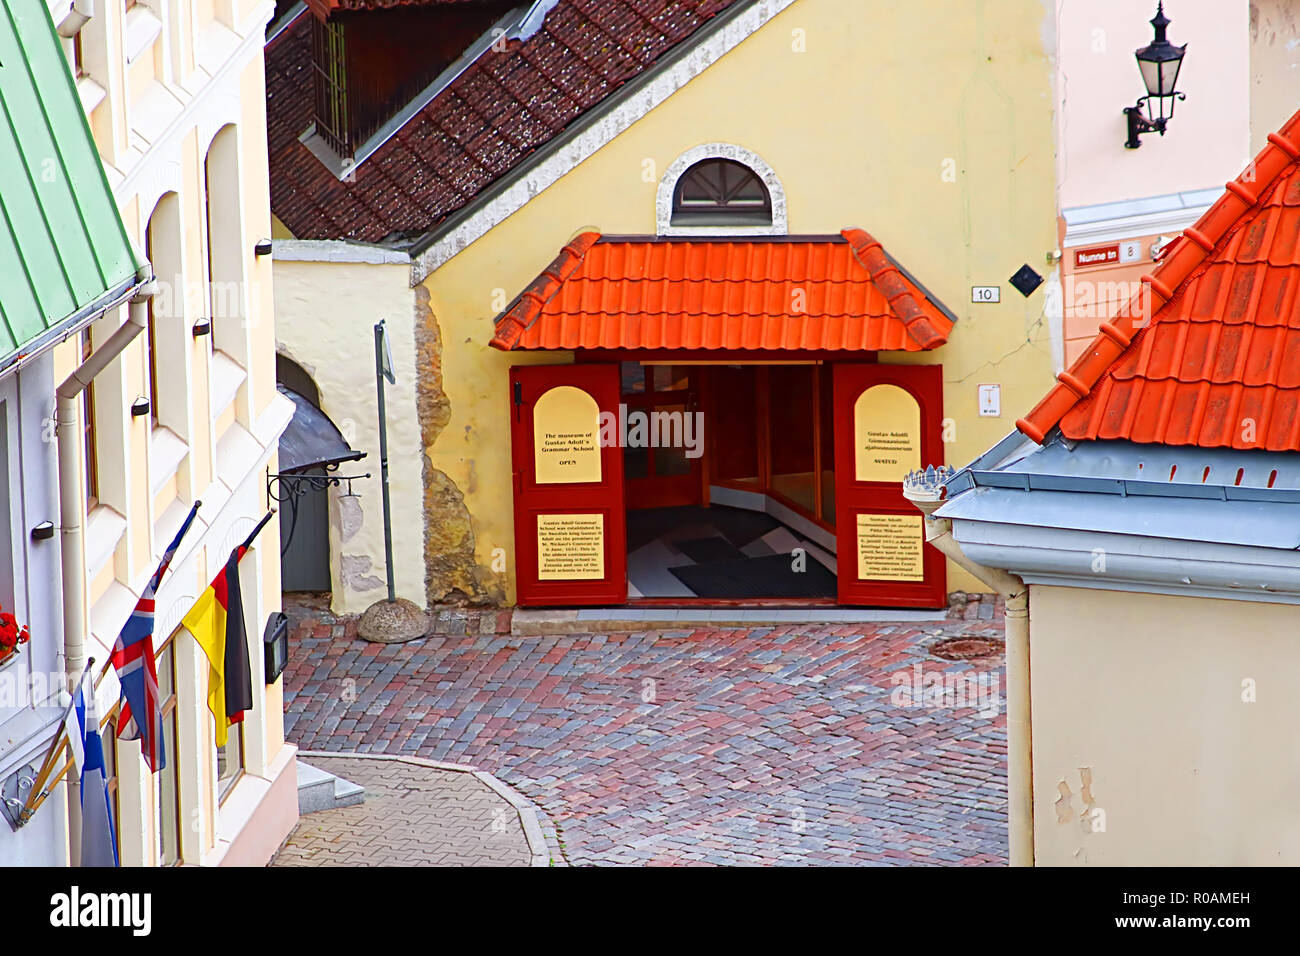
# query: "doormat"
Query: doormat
{"points": [[709, 550], [767, 577]]}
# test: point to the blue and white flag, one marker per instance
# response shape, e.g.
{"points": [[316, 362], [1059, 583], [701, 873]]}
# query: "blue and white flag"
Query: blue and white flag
{"points": [[98, 840]]}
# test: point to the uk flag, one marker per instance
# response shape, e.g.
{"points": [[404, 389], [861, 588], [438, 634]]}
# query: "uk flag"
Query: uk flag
{"points": [[139, 715]]}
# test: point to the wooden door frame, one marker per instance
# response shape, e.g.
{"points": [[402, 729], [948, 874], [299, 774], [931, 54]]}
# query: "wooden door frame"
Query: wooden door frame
{"points": [[531, 499], [665, 491], [925, 384]]}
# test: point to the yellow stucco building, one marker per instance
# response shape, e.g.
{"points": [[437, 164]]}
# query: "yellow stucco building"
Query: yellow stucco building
{"points": [[776, 131]]}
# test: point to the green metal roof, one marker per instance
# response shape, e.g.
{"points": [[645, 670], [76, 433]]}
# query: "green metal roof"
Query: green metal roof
{"points": [[63, 248]]}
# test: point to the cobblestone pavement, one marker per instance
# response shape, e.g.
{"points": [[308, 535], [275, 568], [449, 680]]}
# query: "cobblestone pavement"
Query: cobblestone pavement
{"points": [[790, 744], [412, 816]]}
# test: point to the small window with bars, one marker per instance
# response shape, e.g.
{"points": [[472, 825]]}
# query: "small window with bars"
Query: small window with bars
{"points": [[329, 61]]}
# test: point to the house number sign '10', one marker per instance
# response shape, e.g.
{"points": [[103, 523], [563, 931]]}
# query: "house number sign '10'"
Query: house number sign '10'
{"points": [[985, 293]]}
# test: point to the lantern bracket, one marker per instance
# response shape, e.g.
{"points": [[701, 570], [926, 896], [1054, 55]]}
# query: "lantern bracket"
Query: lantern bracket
{"points": [[1138, 123]]}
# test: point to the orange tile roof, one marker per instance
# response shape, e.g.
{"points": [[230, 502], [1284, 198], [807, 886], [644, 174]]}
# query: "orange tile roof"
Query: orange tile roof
{"points": [[778, 293], [1218, 364]]}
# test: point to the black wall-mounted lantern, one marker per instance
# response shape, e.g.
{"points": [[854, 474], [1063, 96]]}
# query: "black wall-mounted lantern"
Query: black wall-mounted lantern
{"points": [[1159, 62], [275, 645], [140, 407], [263, 247]]}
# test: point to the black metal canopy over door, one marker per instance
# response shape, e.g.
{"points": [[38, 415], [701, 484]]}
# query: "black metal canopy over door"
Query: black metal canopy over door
{"points": [[310, 448]]}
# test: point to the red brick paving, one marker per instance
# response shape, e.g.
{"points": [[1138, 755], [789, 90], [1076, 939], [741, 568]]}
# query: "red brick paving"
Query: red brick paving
{"points": [[785, 744]]}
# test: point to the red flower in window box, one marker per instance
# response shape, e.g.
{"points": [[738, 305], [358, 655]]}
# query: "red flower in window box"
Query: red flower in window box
{"points": [[12, 635]]}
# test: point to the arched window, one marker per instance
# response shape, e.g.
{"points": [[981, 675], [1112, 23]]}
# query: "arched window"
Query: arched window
{"points": [[164, 238], [296, 378], [721, 192], [227, 248]]}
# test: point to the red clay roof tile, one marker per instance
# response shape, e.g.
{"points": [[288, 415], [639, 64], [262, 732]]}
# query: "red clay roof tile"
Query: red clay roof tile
{"points": [[323, 8], [815, 293], [1218, 362], [500, 110]]}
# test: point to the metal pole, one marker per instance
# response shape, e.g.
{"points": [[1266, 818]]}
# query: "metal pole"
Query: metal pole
{"points": [[383, 456]]}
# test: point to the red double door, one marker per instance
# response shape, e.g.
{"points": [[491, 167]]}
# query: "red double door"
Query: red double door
{"points": [[569, 494]]}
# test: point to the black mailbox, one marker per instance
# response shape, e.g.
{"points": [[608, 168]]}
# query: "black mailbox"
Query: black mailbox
{"points": [[275, 645]]}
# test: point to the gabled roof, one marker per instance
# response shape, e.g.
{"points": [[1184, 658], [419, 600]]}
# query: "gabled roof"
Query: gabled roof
{"points": [[503, 107], [1218, 364], [63, 249], [827, 292]]}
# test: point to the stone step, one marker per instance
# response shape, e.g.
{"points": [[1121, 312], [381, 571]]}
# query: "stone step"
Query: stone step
{"points": [[318, 790]]}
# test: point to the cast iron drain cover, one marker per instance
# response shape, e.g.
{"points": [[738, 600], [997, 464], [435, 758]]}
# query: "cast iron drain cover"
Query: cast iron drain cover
{"points": [[966, 648]]}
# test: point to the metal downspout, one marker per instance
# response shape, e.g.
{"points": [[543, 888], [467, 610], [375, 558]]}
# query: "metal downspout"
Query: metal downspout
{"points": [[924, 494], [72, 544]]}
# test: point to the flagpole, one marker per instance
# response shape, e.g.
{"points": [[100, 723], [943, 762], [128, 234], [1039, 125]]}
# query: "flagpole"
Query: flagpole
{"points": [[381, 334], [54, 780], [248, 542], [36, 797], [57, 743]]}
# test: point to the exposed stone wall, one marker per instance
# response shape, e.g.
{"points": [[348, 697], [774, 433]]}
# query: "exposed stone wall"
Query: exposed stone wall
{"points": [[453, 574]]}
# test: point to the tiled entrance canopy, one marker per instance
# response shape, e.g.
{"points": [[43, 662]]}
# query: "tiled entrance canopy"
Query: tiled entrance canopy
{"points": [[827, 293], [1218, 362]]}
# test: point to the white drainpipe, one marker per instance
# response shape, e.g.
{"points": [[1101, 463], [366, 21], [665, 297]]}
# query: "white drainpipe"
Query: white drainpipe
{"points": [[72, 497], [1020, 786]]}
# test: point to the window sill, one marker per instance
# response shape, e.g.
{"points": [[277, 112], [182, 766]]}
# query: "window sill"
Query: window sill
{"points": [[166, 452], [702, 231], [91, 94], [68, 19], [104, 530], [227, 376], [139, 32]]}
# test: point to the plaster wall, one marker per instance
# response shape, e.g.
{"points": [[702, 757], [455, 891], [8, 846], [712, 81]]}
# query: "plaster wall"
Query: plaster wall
{"points": [[1209, 139], [1162, 730], [325, 316], [1274, 67]]}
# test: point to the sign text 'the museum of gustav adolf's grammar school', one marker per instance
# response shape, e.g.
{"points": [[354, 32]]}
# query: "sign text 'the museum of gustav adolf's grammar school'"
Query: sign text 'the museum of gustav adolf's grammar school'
{"points": [[566, 437]]}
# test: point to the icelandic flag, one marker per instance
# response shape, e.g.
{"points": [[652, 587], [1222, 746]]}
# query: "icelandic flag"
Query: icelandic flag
{"points": [[139, 715], [98, 840]]}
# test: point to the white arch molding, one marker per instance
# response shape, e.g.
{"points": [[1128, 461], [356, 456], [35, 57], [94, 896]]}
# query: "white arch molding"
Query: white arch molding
{"points": [[737, 154]]}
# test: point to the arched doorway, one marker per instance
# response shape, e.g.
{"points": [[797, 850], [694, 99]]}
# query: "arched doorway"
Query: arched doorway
{"points": [[310, 447]]}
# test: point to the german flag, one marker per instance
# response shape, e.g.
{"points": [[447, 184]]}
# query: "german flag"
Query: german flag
{"points": [[217, 623]]}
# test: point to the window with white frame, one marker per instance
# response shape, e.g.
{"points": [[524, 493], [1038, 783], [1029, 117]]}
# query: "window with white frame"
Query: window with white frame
{"points": [[720, 189]]}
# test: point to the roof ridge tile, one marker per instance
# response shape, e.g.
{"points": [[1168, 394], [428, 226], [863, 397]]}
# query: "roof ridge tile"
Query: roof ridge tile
{"points": [[1217, 229]]}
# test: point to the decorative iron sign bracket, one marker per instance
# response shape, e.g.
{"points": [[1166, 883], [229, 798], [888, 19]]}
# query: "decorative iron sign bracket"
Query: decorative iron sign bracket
{"points": [[290, 488], [15, 790]]}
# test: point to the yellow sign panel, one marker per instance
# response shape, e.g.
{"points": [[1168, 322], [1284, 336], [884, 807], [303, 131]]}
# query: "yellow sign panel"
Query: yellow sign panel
{"points": [[566, 437], [570, 547], [889, 548], [886, 434]]}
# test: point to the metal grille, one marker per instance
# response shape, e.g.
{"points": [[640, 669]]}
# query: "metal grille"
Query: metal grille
{"points": [[329, 60]]}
